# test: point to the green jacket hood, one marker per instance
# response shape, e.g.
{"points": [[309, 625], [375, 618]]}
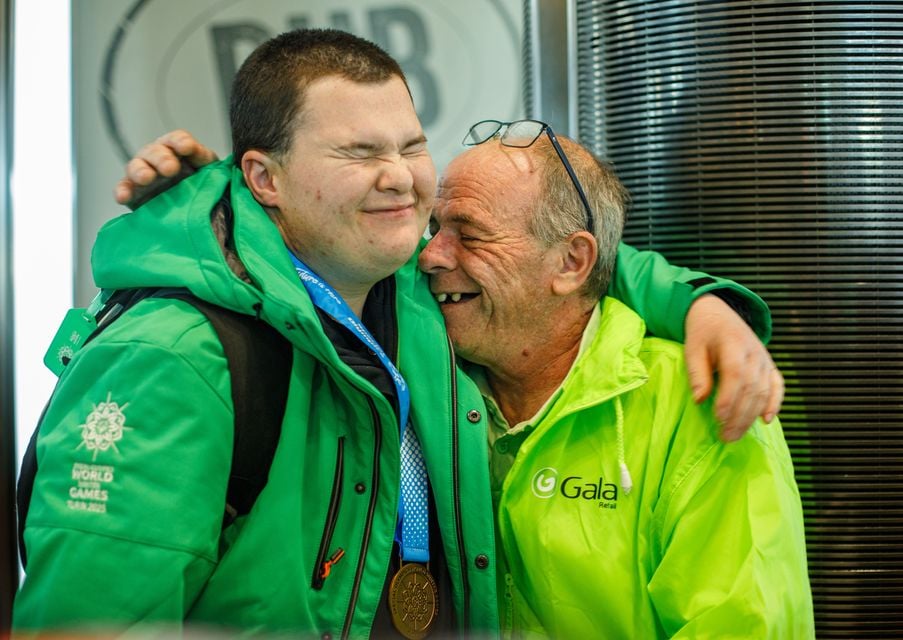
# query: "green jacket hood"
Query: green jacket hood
{"points": [[609, 366], [170, 242]]}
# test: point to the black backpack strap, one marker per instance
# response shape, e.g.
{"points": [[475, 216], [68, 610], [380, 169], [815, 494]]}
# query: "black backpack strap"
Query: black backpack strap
{"points": [[25, 484], [260, 361]]}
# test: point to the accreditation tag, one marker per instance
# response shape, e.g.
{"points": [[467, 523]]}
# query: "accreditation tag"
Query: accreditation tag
{"points": [[77, 326], [75, 329]]}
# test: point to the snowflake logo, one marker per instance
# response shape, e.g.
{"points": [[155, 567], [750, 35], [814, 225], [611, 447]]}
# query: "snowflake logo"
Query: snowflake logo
{"points": [[104, 427], [64, 354]]}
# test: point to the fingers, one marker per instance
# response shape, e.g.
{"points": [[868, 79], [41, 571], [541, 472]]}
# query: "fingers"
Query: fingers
{"points": [[146, 174], [124, 191], [776, 397], [699, 369], [744, 388], [719, 342], [187, 147], [153, 160]]}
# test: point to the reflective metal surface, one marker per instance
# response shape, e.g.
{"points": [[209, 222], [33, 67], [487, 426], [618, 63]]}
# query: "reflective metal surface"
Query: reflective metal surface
{"points": [[763, 141], [9, 564]]}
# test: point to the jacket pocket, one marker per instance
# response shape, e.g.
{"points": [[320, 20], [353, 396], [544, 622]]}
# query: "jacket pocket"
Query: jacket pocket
{"points": [[325, 558]]}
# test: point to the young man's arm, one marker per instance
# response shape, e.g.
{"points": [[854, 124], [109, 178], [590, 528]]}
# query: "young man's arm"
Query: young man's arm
{"points": [[723, 326], [708, 314]]}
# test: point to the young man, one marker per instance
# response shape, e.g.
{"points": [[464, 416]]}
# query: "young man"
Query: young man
{"points": [[327, 198]]}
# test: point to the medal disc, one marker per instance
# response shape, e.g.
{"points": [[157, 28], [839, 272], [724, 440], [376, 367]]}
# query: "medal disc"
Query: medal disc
{"points": [[413, 601]]}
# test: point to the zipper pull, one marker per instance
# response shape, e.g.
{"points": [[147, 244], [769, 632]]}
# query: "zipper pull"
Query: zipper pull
{"points": [[333, 559]]}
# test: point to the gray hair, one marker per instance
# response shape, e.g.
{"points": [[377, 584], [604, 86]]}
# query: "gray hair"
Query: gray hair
{"points": [[559, 212]]}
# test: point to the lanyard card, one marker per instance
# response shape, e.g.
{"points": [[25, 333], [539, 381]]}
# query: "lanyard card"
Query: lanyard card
{"points": [[77, 326], [75, 329]]}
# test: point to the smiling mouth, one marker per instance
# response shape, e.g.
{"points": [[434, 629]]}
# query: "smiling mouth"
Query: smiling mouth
{"points": [[449, 298], [402, 208]]}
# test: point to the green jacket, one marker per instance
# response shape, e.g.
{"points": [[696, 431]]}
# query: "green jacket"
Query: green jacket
{"points": [[131, 533], [135, 447], [708, 543]]}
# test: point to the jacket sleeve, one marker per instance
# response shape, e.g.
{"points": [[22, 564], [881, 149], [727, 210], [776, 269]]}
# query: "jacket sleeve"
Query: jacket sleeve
{"points": [[133, 459], [662, 293], [730, 544]]}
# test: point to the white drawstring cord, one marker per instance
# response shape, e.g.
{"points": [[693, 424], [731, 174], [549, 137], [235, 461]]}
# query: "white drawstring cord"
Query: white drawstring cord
{"points": [[626, 481]]}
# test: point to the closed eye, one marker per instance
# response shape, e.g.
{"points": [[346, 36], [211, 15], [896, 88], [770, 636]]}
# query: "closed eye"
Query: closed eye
{"points": [[414, 148], [360, 151]]}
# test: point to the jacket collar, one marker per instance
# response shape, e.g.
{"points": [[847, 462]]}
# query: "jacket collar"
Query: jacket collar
{"points": [[607, 365]]}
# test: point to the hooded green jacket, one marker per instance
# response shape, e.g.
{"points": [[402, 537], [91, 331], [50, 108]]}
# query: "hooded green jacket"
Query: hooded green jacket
{"points": [[135, 446], [707, 543], [130, 532]]}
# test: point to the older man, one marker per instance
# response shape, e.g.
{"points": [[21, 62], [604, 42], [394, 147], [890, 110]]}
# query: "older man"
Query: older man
{"points": [[620, 514]]}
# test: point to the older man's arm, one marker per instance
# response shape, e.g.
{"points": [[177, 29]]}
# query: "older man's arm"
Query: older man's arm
{"points": [[730, 555], [723, 325], [159, 165]]}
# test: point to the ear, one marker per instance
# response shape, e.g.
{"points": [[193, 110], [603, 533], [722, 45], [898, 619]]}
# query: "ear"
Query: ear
{"points": [[577, 256], [262, 175]]}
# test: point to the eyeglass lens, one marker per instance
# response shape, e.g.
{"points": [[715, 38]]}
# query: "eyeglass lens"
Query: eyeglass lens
{"points": [[482, 131], [524, 133]]}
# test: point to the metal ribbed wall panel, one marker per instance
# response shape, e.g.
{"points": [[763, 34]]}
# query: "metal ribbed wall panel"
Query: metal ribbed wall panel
{"points": [[763, 141]]}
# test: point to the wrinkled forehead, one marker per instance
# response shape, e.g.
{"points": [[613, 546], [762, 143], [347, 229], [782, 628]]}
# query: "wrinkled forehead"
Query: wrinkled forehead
{"points": [[491, 181], [493, 167]]}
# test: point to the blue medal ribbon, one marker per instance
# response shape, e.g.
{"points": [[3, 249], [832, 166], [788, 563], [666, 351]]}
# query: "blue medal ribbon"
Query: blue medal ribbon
{"points": [[412, 533]]}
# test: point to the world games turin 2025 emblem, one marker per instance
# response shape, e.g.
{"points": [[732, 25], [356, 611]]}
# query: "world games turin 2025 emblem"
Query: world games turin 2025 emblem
{"points": [[103, 427]]}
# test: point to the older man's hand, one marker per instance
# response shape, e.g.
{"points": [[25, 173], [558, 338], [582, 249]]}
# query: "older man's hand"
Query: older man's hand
{"points": [[749, 383], [160, 164]]}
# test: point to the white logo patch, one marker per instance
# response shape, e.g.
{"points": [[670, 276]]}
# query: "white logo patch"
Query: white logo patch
{"points": [[64, 353], [544, 482], [89, 491], [103, 427]]}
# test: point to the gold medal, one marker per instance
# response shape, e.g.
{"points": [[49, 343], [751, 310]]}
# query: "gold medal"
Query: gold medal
{"points": [[413, 601]]}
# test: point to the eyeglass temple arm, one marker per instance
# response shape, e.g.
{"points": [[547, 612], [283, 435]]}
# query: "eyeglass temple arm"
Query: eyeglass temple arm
{"points": [[590, 222]]}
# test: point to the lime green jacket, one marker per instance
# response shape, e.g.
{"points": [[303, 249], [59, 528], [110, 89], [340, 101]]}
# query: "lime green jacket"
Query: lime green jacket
{"points": [[124, 530], [624, 516]]}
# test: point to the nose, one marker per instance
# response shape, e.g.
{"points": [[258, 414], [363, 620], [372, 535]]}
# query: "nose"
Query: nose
{"points": [[396, 175], [438, 255]]}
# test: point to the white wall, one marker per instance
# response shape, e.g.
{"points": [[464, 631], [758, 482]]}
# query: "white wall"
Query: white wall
{"points": [[41, 190]]}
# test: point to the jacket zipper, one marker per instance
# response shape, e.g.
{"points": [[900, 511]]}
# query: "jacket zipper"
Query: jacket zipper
{"points": [[456, 487], [368, 528], [321, 569]]}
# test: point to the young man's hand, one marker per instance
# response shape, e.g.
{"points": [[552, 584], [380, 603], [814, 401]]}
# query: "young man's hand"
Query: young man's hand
{"points": [[749, 383]]}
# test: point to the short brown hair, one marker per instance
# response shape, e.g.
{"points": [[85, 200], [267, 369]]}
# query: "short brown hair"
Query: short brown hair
{"points": [[269, 89]]}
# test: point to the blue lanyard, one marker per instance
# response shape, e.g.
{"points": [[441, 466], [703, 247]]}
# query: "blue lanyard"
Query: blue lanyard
{"points": [[412, 533]]}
